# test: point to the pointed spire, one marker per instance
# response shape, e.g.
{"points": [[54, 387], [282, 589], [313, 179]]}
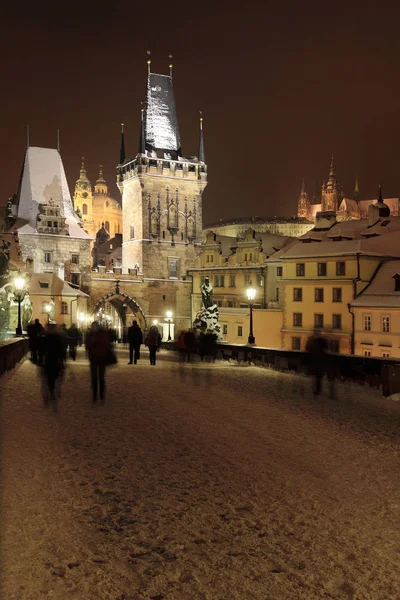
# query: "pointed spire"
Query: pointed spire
{"points": [[332, 174], [142, 139], [303, 186], [170, 64], [356, 188], [83, 170], [202, 157], [122, 149], [148, 52], [380, 199]]}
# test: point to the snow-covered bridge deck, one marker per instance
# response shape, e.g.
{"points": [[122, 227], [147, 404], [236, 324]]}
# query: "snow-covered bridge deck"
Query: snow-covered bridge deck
{"points": [[214, 482]]}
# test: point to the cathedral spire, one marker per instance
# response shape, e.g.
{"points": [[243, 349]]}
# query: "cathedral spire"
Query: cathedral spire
{"points": [[82, 174], [332, 173], [142, 139], [122, 149], [356, 188], [303, 205], [303, 186], [201, 141]]}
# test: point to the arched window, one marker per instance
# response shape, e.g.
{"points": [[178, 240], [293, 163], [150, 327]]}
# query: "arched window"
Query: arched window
{"points": [[107, 226], [84, 209]]}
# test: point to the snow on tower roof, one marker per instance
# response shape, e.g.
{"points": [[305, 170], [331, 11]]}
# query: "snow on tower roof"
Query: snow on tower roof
{"points": [[44, 182], [161, 124]]}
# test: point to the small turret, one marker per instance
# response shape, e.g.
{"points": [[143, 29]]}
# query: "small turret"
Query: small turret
{"points": [[379, 210]]}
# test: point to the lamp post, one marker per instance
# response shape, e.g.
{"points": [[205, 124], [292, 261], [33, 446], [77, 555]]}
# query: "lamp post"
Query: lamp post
{"points": [[19, 294], [251, 294], [169, 319]]}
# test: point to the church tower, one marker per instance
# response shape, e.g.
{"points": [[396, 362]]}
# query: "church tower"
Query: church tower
{"points": [[83, 199], [161, 190], [101, 186], [303, 206], [330, 191]]}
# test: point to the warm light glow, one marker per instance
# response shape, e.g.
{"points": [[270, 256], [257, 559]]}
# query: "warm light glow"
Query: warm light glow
{"points": [[251, 294], [155, 322], [47, 308], [169, 314], [81, 317], [19, 283]]}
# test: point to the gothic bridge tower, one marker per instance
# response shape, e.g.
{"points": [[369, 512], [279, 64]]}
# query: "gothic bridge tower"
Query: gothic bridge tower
{"points": [[161, 190]]}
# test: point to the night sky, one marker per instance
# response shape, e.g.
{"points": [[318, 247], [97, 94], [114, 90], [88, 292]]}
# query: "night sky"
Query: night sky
{"points": [[282, 86]]}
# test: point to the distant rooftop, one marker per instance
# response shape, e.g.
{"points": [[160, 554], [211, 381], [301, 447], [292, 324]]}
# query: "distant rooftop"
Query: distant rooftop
{"points": [[248, 220]]}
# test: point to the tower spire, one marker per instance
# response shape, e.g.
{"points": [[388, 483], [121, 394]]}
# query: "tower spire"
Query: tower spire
{"points": [[142, 139], [122, 149], [148, 52], [332, 174], [202, 157], [83, 170], [356, 188], [380, 199]]}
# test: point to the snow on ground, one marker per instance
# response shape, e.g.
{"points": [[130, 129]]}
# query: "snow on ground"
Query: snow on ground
{"points": [[198, 482]]}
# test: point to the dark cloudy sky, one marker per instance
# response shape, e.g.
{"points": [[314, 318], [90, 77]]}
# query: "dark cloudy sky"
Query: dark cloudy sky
{"points": [[282, 85]]}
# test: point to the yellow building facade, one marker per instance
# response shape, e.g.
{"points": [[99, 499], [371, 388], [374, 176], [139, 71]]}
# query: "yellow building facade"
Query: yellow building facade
{"points": [[377, 314], [96, 207]]}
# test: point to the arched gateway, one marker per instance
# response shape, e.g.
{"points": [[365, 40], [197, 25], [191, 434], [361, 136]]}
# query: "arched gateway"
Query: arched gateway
{"points": [[126, 307]]}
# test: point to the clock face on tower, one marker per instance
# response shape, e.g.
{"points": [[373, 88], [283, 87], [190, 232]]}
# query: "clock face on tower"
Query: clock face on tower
{"points": [[84, 195]]}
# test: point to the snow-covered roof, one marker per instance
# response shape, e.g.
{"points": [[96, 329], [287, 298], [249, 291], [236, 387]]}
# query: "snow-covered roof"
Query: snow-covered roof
{"points": [[55, 286], [381, 291], [161, 123], [271, 242], [383, 245], [43, 182]]}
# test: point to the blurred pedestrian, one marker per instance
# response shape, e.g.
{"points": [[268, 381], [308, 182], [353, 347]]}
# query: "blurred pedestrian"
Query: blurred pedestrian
{"points": [[53, 364], [135, 338], [153, 342], [36, 334], [74, 338], [180, 344], [190, 343], [317, 347], [64, 336], [98, 349]]}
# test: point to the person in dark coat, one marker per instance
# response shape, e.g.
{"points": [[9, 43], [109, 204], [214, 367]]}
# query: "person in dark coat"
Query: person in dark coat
{"points": [[37, 343], [53, 362], [64, 336], [135, 338], [190, 343], [317, 347], [98, 348], [74, 337], [153, 342]]}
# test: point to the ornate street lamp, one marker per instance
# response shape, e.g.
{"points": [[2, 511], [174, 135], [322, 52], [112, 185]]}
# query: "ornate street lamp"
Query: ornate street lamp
{"points": [[251, 294], [19, 294], [169, 319]]}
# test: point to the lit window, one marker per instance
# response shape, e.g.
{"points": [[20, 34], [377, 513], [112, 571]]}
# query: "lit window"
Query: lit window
{"points": [[173, 269], [385, 324]]}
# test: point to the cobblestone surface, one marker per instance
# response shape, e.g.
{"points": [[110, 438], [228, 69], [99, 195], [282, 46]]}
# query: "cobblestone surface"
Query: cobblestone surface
{"points": [[214, 482]]}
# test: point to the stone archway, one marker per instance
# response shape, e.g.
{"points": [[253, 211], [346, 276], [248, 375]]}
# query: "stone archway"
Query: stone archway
{"points": [[125, 305]]}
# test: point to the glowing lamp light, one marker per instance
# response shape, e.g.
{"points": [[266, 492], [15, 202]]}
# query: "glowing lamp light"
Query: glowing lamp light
{"points": [[251, 294], [81, 317], [169, 314], [47, 308], [155, 322], [19, 283]]}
